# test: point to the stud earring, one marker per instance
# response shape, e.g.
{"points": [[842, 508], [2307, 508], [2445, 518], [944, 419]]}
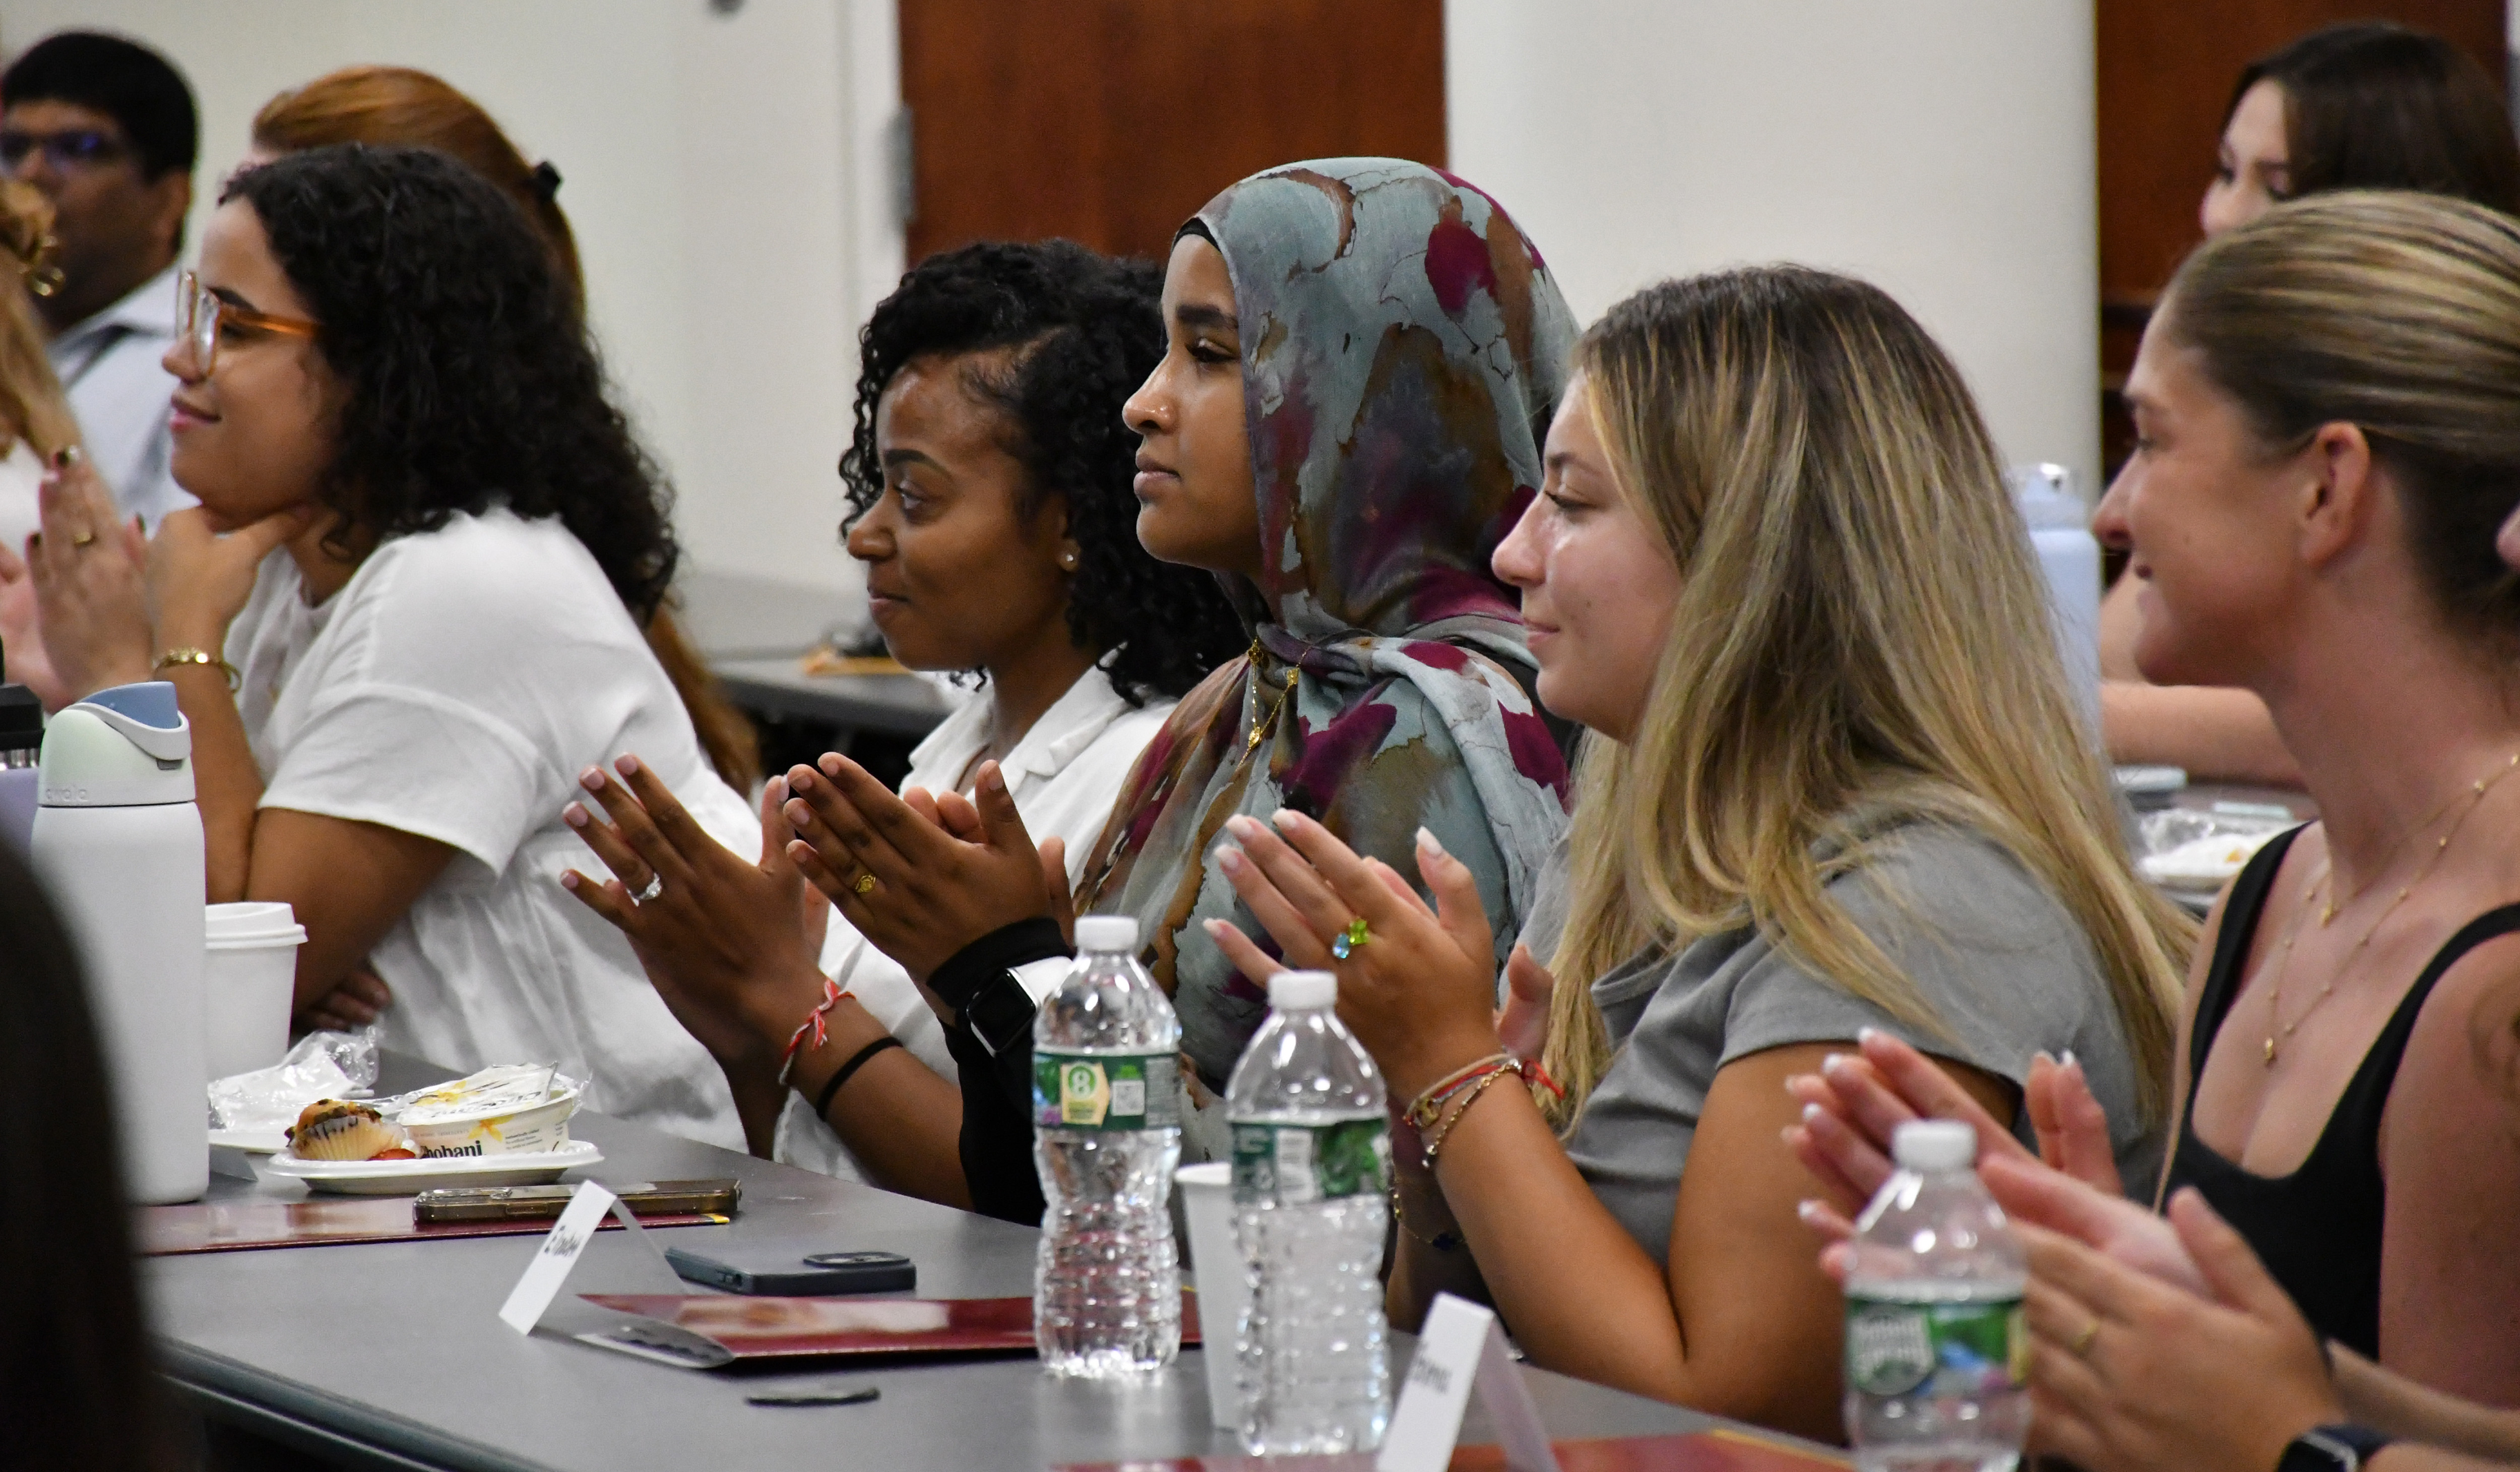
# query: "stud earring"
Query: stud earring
{"points": [[1068, 560]]}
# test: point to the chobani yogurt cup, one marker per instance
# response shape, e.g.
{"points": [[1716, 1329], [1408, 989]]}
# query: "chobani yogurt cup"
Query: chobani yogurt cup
{"points": [[512, 1109]]}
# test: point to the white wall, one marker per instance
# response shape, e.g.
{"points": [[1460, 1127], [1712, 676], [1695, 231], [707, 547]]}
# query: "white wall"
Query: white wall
{"points": [[1941, 149], [724, 175]]}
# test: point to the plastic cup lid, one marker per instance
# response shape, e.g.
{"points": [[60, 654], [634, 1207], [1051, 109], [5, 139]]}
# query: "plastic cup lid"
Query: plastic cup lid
{"points": [[1303, 991], [1107, 932], [251, 922], [1934, 1145]]}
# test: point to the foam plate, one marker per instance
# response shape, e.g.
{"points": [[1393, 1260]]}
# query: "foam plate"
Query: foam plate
{"points": [[407, 1177]]}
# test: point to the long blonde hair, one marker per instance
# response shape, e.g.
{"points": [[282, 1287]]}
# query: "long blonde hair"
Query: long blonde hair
{"points": [[31, 406], [1860, 634]]}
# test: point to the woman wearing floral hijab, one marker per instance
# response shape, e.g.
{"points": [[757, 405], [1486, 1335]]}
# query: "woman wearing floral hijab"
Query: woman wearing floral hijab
{"points": [[1363, 355], [1402, 347]]}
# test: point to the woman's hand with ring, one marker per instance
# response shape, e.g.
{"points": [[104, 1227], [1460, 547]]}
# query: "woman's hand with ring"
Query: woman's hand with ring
{"points": [[724, 940], [944, 872], [2128, 1372], [1419, 992], [90, 594]]}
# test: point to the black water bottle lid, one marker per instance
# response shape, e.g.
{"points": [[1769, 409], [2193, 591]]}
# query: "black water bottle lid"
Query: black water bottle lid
{"points": [[22, 719]]}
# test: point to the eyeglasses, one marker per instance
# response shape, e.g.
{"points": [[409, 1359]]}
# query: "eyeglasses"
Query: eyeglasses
{"points": [[202, 317], [76, 149]]}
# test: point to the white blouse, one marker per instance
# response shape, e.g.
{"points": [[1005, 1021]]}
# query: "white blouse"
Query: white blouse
{"points": [[1063, 776], [455, 688]]}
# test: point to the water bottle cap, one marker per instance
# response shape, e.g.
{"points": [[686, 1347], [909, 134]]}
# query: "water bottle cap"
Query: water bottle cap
{"points": [[1303, 990], [1107, 932], [1934, 1145], [2047, 495]]}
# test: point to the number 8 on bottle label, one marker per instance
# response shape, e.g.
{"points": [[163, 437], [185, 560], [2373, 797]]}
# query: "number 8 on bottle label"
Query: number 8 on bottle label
{"points": [[1104, 1090]]}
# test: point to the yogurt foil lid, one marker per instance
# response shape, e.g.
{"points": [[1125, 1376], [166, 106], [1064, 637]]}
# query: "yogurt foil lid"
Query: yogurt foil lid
{"points": [[503, 1090]]}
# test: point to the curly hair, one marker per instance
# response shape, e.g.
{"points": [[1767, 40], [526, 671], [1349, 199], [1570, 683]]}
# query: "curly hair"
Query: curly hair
{"points": [[1086, 330], [469, 382]]}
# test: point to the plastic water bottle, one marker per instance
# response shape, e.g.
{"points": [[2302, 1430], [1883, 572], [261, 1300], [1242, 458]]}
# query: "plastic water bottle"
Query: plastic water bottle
{"points": [[118, 843], [1311, 1177], [2060, 533], [1936, 1350], [1106, 1105]]}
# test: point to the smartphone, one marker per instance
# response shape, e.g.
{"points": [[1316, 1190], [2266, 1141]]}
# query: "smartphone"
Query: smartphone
{"points": [[662, 1198], [814, 1275]]}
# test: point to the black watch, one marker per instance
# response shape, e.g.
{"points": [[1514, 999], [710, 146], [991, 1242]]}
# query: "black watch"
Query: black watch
{"points": [[2332, 1449], [1000, 1013]]}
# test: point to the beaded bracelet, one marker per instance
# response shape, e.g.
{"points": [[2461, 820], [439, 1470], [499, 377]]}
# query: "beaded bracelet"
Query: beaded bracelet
{"points": [[816, 1025]]}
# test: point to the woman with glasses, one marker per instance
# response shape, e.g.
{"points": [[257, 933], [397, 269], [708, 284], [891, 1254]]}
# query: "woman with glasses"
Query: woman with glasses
{"points": [[406, 614]]}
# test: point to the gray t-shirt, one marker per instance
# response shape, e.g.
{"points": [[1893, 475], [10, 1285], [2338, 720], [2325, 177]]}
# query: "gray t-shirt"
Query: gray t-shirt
{"points": [[1995, 955]]}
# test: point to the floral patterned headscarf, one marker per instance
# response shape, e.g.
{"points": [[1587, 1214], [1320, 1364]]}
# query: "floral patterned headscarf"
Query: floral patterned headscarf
{"points": [[1403, 349]]}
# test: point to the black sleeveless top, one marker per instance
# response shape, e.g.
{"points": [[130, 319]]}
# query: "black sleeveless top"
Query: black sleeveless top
{"points": [[2318, 1228]]}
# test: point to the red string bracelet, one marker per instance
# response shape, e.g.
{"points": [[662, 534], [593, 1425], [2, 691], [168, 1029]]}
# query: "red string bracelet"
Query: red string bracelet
{"points": [[816, 1025]]}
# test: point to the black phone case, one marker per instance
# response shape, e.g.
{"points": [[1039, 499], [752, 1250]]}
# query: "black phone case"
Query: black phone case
{"points": [[877, 1273]]}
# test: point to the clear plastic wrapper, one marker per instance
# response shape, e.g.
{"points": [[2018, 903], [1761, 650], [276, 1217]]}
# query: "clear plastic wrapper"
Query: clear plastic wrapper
{"points": [[321, 1066]]}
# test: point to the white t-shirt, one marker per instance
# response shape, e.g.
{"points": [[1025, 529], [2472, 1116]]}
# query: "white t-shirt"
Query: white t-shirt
{"points": [[1063, 776], [455, 688]]}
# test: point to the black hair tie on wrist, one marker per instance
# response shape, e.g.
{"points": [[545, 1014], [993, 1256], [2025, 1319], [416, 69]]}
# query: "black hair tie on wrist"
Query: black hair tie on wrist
{"points": [[848, 1070], [546, 180]]}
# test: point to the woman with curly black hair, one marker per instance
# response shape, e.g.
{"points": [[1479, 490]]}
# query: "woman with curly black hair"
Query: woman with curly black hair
{"points": [[989, 483], [425, 547]]}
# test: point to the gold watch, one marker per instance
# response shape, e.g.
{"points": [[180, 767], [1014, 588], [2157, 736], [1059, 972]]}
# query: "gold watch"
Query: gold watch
{"points": [[190, 656]]}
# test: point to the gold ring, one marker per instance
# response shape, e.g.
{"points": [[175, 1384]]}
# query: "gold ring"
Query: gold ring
{"points": [[2082, 1345], [864, 884], [82, 537]]}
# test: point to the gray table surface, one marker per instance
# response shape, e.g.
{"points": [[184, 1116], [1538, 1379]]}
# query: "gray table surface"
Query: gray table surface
{"points": [[894, 705], [392, 1354]]}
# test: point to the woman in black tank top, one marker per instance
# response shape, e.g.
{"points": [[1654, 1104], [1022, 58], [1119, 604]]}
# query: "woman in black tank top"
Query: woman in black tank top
{"points": [[2328, 405], [2318, 1228]]}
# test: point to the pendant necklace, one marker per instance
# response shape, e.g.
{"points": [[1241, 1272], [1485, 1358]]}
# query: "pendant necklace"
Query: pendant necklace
{"points": [[1261, 729], [2279, 1033]]}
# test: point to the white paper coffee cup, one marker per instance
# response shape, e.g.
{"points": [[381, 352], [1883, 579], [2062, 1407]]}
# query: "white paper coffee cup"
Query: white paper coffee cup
{"points": [[1216, 1264], [248, 981]]}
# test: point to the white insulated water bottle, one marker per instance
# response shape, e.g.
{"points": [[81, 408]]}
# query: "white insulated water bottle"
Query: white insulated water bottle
{"points": [[119, 844], [2060, 533]]}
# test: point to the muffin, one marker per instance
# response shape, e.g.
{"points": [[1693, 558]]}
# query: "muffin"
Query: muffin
{"points": [[340, 1129]]}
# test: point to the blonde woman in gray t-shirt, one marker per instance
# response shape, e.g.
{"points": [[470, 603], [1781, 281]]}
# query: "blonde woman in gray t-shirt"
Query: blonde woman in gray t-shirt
{"points": [[1835, 780]]}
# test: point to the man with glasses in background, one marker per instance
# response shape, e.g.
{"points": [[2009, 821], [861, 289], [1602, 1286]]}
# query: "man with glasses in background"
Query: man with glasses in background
{"points": [[107, 131]]}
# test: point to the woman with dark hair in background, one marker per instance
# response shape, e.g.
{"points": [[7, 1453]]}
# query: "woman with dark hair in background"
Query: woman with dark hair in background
{"points": [[2361, 106], [988, 482], [78, 1386], [382, 374], [397, 106]]}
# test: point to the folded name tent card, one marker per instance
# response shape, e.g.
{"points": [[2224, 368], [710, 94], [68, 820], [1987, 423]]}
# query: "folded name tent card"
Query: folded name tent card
{"points": [[245, 1223], [707, 1331]]}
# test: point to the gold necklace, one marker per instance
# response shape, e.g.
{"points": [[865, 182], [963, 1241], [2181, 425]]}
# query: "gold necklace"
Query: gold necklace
{"points": [[1261, 729], [2328, 911], [2279, 1033]]}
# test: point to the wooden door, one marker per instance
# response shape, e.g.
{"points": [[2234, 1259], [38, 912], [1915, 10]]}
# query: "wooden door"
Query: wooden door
{"points": [[1110, 122]]}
